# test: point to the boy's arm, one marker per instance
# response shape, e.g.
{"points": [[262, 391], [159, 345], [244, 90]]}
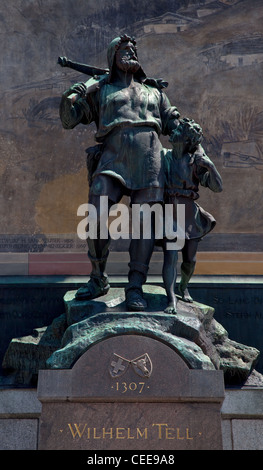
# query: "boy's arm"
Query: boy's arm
{"points": [[207, 172]]}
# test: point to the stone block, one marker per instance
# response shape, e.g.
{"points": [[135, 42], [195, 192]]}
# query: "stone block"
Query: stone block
{"points": [[19, 403], [18, 434], [130, 392], [247, 434], [243, 403]]}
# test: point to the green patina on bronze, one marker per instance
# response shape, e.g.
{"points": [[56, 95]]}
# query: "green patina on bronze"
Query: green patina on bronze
{"points": [[131, 111]]}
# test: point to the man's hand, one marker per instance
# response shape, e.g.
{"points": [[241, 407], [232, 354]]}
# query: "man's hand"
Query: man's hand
{"points": [[78, 88]]}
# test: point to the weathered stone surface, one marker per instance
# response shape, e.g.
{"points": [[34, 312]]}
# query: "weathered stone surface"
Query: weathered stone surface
{"points": [[236, 360], [80, 336], [27, 354], [192, 332]]}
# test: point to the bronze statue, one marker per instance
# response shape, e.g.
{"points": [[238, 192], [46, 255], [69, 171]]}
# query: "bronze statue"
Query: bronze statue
{"points": [[187, 166], [130, 111]]}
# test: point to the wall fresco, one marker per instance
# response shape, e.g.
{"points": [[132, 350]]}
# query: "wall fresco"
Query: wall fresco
{"points": [[210, 52]]}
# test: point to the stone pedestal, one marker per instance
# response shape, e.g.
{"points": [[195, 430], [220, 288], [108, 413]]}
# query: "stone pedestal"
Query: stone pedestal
{"points": [[193, 333], [130, 392]]}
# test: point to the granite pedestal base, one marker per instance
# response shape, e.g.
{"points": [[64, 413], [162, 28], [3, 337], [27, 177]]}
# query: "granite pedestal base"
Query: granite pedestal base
{"points": [[130, 392]]}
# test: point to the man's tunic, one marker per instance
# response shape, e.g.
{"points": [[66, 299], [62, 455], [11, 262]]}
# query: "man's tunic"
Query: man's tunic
{"points": [[129, 121]]}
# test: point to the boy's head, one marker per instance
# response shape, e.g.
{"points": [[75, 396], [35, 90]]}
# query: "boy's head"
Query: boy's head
{"points": [[187, 136]]}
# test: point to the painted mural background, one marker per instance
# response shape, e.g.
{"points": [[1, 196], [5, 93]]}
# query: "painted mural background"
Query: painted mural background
{"points": [[210, 52]]}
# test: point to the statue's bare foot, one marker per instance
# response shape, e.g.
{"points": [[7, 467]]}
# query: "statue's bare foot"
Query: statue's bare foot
{"points": [[186, 297], [171, 308], [172, 304], [96, 287]]}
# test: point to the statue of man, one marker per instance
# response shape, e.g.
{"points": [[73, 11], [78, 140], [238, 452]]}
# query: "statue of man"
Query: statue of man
{"points": [[130, 112]]}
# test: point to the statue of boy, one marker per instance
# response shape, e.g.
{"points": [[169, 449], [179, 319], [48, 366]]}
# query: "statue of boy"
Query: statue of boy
{"points": [[130, 112], [187, 166]]}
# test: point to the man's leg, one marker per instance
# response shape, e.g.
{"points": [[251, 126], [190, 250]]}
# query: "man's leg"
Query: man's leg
{"points": [[140, 251], [98, 246], [98, 250], [187, 268]]}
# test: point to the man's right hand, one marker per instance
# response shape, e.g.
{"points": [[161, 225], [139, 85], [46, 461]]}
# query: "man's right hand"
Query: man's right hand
{"points": [[79, 88]]}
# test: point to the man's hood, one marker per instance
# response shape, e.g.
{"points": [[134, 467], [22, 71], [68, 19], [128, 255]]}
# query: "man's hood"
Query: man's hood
{"points": [[112, 49]]}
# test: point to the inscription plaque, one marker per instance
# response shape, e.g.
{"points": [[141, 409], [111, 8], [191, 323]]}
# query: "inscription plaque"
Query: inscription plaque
{"points": [[130, 392]]}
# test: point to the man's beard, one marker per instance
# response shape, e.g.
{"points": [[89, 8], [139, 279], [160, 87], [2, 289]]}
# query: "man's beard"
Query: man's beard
{"points": [[129, 65]]}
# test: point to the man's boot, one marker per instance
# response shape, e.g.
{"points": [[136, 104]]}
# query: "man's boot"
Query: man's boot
{"points": [[98, 284], [133, 292], [187, 270]]}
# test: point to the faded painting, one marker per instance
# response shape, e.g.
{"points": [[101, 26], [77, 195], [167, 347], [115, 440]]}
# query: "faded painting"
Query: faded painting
{"points": [[210, 52]]}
